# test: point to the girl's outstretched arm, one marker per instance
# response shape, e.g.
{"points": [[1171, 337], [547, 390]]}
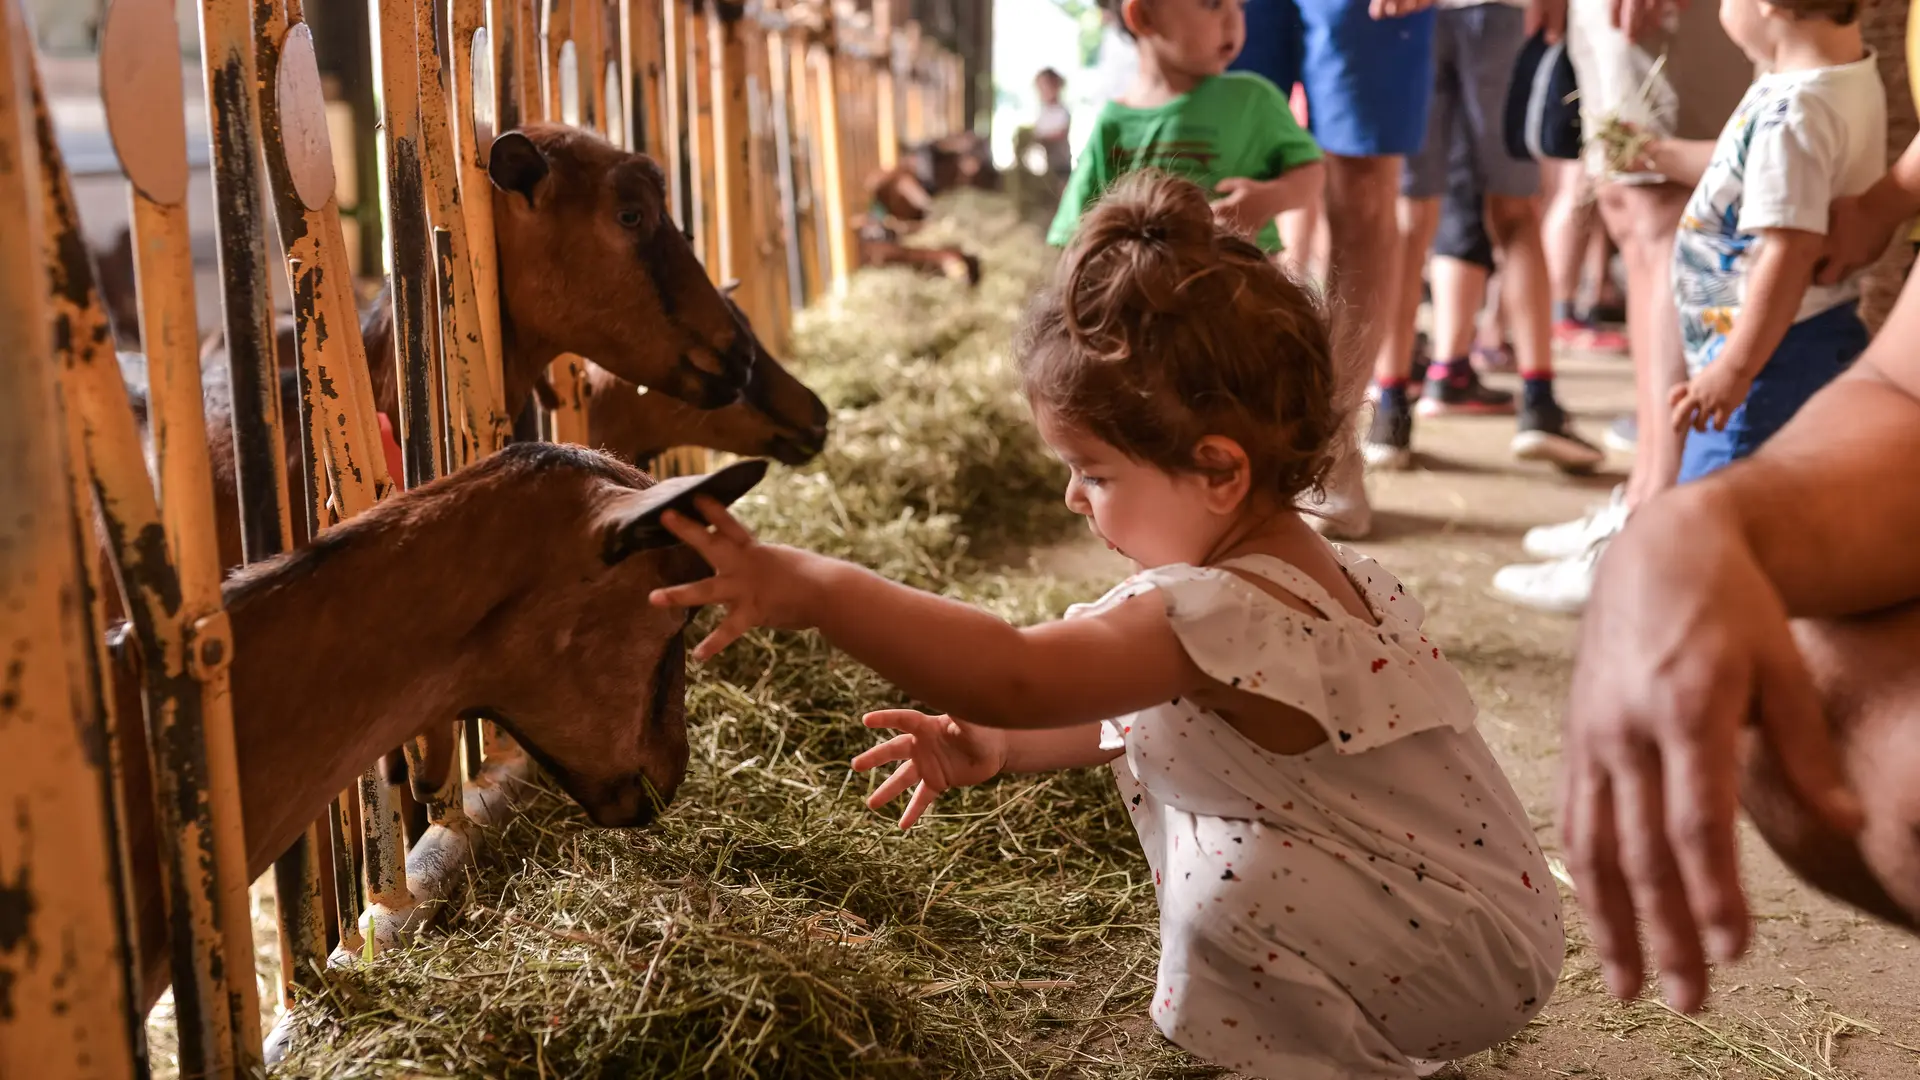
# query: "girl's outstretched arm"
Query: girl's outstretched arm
{"points": [[954, 657]]}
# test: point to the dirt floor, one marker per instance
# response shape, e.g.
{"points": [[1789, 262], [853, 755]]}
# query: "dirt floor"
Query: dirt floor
{"points": [[1823, 994]]}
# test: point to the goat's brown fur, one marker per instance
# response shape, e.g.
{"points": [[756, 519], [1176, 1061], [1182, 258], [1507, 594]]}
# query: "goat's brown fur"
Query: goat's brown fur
{"points": [[348, 647]]}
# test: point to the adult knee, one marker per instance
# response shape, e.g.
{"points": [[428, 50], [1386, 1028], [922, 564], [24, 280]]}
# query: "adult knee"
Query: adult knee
{"points": [[1511, 218], [1869, 696], [1363, 195], [1641, 219]]}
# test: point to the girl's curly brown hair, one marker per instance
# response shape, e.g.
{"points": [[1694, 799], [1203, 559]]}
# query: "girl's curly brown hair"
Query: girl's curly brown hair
{"points": [[1162, 328]]}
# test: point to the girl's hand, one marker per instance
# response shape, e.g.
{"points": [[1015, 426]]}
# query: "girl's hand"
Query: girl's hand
{"points": [[940, 753], [759, 584], [1710, 398]]}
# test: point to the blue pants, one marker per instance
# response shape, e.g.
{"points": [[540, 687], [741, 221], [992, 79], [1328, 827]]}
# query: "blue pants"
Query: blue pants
{"points": [[1368, 82], [1813, 354]]}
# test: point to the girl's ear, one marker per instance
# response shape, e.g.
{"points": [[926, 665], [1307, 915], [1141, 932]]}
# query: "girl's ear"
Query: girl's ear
{"points": [[1227, 471]]}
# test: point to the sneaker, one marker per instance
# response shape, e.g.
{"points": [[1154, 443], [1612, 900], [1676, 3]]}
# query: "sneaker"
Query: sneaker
{"points": [[1582, 336], [1570, 538], [1623, 435], [1342, 512], [1560, 586], [1547, 435], [1461, 392], [1498, 360], [1389, 442]]}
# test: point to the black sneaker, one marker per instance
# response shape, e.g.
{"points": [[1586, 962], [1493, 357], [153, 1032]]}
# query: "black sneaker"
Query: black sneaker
{"points": [[1462, 393], [1389, 442], [1547, 435]]}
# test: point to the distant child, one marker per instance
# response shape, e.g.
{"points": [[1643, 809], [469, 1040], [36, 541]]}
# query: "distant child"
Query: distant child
{"points": [[1760, 337], [1231, 133], [1348, 887], [1051, 127]]}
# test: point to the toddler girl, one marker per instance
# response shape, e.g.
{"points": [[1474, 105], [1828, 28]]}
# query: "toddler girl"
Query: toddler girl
{"points": [[1348, 886]]}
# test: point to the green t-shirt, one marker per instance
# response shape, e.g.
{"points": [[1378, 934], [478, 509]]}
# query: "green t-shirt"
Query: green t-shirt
{"points": [[1232, 125]]}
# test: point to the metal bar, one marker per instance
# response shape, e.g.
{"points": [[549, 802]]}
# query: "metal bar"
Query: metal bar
{"points": [[476, 427], [731, 141], [296, 873], [174, 604], [474, 126], [647, 72], [408, 240], [673, 126], [780, 82], [839, 236], [703, 94], [68, 962]]}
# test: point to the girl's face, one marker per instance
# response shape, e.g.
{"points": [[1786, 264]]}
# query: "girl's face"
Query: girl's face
{"points": [[1198, 37], [1151, 516]]}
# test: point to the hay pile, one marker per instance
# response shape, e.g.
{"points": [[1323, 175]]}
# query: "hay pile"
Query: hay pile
{"points": [[770, 925]]}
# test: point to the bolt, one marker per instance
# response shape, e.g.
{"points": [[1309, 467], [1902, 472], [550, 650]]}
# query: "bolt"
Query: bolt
{"points": [[212, 652]]}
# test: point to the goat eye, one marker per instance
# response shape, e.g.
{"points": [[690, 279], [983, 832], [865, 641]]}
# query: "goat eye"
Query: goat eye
{"points": [[629, 219]]}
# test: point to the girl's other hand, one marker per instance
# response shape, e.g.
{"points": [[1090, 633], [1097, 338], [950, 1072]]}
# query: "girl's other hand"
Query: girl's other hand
{"points": [[940, 752], [759, 584]]}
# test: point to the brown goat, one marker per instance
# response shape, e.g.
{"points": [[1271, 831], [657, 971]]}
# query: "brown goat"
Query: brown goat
{"points": [[900, 198], [516, 588]]}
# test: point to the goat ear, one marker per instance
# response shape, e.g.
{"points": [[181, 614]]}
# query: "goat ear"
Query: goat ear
{"points": [[515, 164], [634, 525]]}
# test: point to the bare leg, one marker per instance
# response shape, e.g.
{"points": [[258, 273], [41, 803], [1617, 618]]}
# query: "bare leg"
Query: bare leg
{"points": [[1418, 218], [1514, 224], [1567, 227], [1362, 277], [1297, 234], [1642, 219], [1864, 672], [1459, 289]]}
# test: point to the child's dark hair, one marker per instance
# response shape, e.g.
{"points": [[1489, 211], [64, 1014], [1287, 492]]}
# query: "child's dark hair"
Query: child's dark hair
{"points": [[1050, 75], [1838, 12], [1162, 328]]}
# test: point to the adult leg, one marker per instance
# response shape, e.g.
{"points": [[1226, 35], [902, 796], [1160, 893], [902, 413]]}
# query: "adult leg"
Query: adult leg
{"points": [[1863, 670], [1700, 77], [1642, 218]]}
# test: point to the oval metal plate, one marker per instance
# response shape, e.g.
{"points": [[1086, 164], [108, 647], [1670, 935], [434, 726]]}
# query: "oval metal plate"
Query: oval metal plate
{"points": [[303, 119], [146, 107]]}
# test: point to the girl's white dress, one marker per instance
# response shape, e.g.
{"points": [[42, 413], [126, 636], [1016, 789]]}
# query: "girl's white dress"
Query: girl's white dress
{"points": [[1366, 909]]}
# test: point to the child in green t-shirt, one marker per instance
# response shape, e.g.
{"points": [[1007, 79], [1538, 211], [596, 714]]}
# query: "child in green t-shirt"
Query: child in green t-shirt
{"points": [[1232, 134]]}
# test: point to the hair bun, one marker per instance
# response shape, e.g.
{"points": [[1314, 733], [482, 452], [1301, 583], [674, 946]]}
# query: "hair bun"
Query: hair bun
{"points": [[1160, 230]]}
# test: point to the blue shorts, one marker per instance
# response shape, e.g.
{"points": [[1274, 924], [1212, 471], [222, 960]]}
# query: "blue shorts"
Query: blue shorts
{"points": [[1368, 83], [1814, 353]]}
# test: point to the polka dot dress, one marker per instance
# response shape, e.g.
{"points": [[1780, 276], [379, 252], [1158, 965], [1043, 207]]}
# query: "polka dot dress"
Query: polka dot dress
{"points": [[1370, 908]]}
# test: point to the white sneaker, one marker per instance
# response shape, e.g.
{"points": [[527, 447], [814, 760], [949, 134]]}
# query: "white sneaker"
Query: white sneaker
{"points": [[1570, 538], [1344, 513], [1561, 586]]}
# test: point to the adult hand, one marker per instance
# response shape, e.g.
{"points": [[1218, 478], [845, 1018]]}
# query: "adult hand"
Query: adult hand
{"points": [[1856, 235], [1684, 643], [1549, 16], [759, 584], [1394, 9], [1635, 17], [940, 753]]}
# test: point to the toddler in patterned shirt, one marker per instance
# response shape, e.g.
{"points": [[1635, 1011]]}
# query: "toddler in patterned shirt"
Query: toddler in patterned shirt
{"points": [[1348, 886]]}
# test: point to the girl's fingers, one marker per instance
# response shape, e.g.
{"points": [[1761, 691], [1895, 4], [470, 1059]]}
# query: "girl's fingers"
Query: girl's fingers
{"points": [[691, 533], [702, 593], [729, 631], [897, 748], [909, 720], [904, 777], [722, 520], [923, 797]]}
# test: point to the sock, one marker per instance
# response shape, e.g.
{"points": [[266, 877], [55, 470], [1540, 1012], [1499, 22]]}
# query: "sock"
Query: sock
{"points": [[1393, 395], [1563, 311], [1537, 391]]}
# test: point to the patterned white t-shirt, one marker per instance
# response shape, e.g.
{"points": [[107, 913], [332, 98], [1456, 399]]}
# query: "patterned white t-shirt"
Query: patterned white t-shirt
{"points": [[1797, 141]]}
